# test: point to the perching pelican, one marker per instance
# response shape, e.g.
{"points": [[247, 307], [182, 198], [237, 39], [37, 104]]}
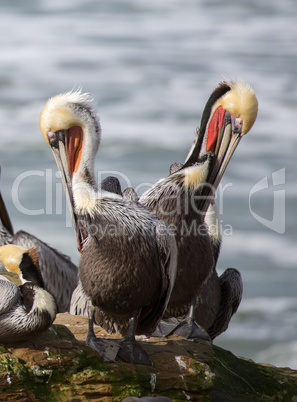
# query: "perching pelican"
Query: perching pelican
{"points": [[183, 198], [28, 309], [219, 297], [58, 272], [128, 262], [79, 300]]}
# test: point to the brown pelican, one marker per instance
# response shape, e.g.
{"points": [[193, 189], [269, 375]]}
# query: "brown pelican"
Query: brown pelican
{"points": [[183, 198], [59, 274], [79, 300], [28, 309], [128, 261], [219, 297]]}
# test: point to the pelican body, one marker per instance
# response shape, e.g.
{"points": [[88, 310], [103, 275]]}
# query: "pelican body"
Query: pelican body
{"points": [[183, 198], [26, 308], [128, 256], [58, 272], [219, 297]]}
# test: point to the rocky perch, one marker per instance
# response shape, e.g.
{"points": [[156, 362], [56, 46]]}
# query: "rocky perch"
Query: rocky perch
{"points": [[57, 366]]}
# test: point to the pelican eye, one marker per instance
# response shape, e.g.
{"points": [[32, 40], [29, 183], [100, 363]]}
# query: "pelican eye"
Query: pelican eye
{"points": [[237, 125], [55, 137], [60, 135]]}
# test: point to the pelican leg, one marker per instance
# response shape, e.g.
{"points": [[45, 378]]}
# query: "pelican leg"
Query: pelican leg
{"points": [[131, 351], [166, 327], [106, 348], [187, 328]]}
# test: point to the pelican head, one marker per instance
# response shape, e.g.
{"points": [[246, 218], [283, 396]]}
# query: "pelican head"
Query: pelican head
{"points": [[229, 113], [240, 101], [67, 121], [21, 264], [11, 257], [71, 127]]}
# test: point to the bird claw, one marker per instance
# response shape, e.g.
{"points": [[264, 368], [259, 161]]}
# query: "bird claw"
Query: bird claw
{"points": [[166, 327], [132, 352], [107, 348], [187, 328]]}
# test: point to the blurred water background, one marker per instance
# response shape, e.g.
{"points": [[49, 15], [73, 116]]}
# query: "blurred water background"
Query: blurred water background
{"points": [[150, 67]]}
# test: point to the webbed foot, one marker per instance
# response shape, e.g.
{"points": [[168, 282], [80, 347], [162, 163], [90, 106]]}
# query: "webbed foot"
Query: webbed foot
{"points": [[132, 352], [165, 327], [107, 348], [187, 328]]}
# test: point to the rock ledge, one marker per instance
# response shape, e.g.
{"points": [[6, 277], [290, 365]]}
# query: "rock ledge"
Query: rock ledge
{"points": [[57, 366]]}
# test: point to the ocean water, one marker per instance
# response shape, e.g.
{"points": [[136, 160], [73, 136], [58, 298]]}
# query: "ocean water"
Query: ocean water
{"points": [[150, 68]]}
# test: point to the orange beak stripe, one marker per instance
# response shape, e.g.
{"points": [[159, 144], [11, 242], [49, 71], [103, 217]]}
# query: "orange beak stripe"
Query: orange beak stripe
{"points": [[73, 145], [214, 126]]}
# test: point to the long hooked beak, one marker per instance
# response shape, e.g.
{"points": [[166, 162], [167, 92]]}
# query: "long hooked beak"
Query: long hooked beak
{"points": [[57, 143], [5, 219], [4, 216], [228, 134], [218, 143], [11, 276]]}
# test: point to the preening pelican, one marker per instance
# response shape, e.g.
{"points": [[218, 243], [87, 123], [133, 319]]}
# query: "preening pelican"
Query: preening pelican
{"points": [[219, 297], [79, 300], [128, 262], [28, 309], [59, 274], [183, 198]]}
